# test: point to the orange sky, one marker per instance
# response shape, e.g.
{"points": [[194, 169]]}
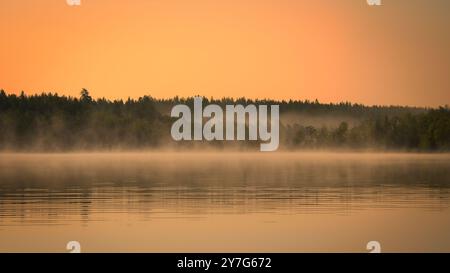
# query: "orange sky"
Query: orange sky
{"points": [[334, 51]]}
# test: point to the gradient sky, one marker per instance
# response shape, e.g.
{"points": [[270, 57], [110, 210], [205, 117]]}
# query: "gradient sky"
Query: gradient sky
{"points": [[332, 50]]}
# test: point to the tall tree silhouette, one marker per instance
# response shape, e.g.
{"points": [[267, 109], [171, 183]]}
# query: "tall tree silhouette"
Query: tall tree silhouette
{"points": [[84, 95]]}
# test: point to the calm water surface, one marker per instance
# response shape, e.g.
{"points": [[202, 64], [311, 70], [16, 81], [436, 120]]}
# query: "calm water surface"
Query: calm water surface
{"points": [[237, 202]]}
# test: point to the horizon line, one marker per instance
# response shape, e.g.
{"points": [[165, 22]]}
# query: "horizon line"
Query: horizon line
{"points": [[213, 98]]}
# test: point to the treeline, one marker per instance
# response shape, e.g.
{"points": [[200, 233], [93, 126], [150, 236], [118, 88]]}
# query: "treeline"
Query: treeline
{"points": [[59, 123], [428, 131], [49, 122]]}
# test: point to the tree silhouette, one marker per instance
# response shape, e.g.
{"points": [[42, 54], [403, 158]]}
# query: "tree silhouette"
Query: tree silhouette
{"points": [[84, 95]]}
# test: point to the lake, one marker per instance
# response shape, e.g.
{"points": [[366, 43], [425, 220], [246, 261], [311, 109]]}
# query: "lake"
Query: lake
{"points": [[224, 202]]}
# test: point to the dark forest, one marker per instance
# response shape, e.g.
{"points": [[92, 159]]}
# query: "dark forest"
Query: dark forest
{"points": [[50, 122]]}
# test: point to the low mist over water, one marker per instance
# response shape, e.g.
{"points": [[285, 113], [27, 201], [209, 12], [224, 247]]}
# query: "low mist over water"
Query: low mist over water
{"points": [[238, 201]]}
